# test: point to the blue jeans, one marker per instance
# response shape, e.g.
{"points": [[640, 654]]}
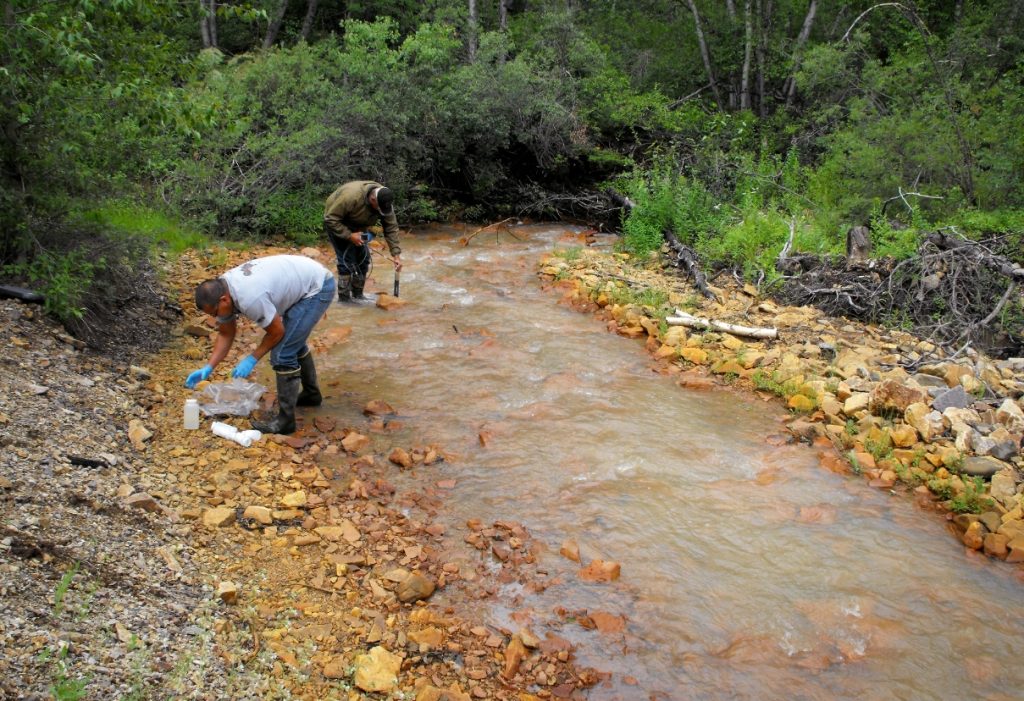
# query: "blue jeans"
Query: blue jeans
{"points": [[299, 320]]}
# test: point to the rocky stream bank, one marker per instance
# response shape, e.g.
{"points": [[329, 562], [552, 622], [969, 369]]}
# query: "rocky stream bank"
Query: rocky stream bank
{"points": [[876, 402], [141, 560]]}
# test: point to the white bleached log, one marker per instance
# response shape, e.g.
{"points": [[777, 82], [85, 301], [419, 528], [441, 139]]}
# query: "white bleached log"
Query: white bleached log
{"points": [[682, 318]]}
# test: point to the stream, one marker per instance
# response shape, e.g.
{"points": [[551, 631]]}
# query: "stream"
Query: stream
{"points": [[748, 571]]}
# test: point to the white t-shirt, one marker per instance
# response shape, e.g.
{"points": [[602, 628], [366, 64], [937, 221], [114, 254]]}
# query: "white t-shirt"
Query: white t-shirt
{"points": [[265, 287]]}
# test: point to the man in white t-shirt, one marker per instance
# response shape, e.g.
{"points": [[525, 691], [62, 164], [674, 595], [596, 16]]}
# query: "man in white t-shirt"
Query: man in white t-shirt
{"points": [[285, 296]]}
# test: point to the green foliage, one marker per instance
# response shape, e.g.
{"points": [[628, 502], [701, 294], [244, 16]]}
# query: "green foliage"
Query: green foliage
{"points": [[879, 448], [134, 219], [771, 383], [62, 588], [972, 499], [63, 277], [63, 687]]}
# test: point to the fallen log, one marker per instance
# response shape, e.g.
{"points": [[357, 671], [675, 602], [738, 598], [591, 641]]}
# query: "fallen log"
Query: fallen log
{"points": [[687, 259], [682, 318]]}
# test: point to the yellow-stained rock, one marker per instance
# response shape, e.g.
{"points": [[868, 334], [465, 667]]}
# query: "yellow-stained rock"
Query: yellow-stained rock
{"points": [[694, 355], [377, 670], [294, 500]]}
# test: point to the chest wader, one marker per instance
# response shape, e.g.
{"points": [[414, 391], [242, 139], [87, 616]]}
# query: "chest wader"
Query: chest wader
{"points": [[353, 263]]}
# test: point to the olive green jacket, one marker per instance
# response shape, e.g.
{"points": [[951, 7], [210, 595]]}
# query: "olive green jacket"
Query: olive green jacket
{"points": [[347, 211]]}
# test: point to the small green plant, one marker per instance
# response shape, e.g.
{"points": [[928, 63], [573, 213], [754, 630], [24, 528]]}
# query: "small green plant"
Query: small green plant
{"points": [[62, 588], [63, 688], [972, 500], [770, 383], [880, 448], [941, 488], [851, 428], [854, 463]]}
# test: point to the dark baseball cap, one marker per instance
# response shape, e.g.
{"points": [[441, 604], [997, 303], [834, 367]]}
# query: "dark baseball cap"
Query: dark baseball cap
{"points": [[385, 200]]}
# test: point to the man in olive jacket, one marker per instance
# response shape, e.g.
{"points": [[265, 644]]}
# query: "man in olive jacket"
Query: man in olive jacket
{"points": [[349, 211]]}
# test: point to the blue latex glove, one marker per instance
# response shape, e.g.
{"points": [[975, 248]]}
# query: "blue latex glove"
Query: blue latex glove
{"points": [[244, 368], [198, 376], [367, 236]]}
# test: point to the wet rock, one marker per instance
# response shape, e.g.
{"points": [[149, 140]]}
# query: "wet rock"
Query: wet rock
{"points": [[377, 670], [389, 303], [982, 466], [571, 550], [376, 407], [400, 457], [956, 398], [1015, 549], [995, 545], [600, 571], [974, 536], [354, 442], [415, 587]]}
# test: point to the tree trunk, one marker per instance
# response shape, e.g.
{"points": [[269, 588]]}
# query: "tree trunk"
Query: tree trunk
{"points": [[764, 15], [748, 49], [471, 32], [204, 24], [704, 53], [213, 23], [731, 7], [307, 23], [805, 32], [275, 24], [503, 15]]}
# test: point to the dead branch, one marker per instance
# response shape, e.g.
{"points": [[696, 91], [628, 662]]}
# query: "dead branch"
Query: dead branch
{"points": [[686, 258], [682, 318]]}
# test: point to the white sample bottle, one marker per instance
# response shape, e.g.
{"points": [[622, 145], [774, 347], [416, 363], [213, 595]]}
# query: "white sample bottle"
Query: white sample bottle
{"points": [[191, 414]]}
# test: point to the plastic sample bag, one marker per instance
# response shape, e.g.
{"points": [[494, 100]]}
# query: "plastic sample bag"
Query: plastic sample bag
{"points": [[236, 398]]}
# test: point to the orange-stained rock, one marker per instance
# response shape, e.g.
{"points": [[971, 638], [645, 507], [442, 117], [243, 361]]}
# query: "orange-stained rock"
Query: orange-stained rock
{"points": [[377, 670], [892, 397], [400, 457], [354, 442], [570, 549], [608, 622], [600, 571], [974, 536], [388, 302], [514, 655], [694, 355], [415, 587], [376, 407]]}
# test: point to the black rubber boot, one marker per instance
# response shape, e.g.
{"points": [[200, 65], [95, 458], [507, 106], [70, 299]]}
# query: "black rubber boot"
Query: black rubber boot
{"points": [[358, 283], [310, 394], [288, 385], [344, 287]]}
